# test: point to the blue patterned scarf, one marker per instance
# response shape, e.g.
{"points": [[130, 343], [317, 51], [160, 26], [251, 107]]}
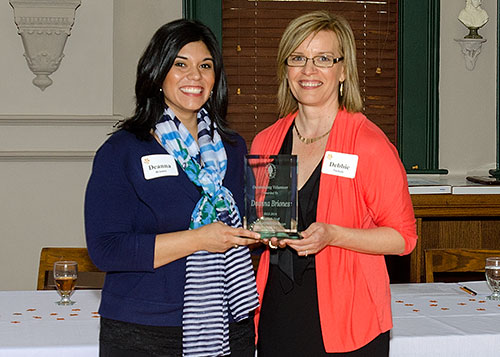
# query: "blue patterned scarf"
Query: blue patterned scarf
{"points": [[217, 284]]}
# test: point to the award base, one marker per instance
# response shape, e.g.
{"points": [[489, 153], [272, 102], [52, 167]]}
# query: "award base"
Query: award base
{"points": [[269, 228]]}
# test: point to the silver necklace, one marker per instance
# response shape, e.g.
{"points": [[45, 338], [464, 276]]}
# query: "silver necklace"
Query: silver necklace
{"points": [[308, 141]]}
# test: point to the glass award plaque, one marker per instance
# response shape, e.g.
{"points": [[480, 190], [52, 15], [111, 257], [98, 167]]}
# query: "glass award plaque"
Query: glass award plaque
{"points": [[271, 195]]}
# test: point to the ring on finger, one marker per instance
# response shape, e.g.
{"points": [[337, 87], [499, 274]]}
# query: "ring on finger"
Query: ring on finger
{"points": [[272, 246], [306, 253], [236, 246]]}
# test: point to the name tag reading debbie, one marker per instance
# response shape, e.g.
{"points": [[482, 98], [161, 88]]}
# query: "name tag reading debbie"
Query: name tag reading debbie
{"points": [[340, 164], [160, 165]]}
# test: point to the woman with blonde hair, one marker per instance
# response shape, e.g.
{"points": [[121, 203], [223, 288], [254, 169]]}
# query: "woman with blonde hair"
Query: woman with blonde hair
{"points": [[328, 293]]}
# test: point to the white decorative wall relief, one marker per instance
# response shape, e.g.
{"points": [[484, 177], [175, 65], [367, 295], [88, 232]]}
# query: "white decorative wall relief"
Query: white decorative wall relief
{"points": [[44, 26], [471, 48]]}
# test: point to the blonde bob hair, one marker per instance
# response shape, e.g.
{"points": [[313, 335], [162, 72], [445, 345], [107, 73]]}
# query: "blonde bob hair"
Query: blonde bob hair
{"points": [[296, 32]]}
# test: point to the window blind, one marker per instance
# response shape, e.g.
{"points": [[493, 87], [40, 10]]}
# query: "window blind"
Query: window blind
{"points": [[251, 31]]}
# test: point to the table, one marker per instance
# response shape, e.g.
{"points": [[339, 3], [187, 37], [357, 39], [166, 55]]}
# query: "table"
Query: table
{"points": [[31, 324], [435, 319], [441, 320]]}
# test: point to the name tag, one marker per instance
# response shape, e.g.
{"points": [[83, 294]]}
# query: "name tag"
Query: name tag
{"points": [[340, 164], [160, 165]]}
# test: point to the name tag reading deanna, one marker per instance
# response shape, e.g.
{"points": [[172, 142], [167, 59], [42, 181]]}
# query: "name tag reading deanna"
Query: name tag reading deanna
{"points": [[159, 165]]}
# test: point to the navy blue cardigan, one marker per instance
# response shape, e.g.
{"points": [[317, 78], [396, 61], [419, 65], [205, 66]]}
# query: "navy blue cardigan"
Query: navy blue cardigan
{"points": [[123, 214]]}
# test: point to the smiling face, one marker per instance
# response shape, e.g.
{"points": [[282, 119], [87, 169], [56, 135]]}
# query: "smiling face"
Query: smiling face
{"points": [[189, 81], [311, 85]]}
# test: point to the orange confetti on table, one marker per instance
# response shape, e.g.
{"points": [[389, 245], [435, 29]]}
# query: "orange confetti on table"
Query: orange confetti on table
{"points": [[445, 308], [416, 310], [433, 301], [37, 317], [17, 313], [481, 301], [73, 314], [53, 313], [461, 303], [95, 316], [471, 299], [31, 309], [15, 322], [481, 309], [433, 305], [75, 310], [408, 304], [399, 301], [60, 318]]}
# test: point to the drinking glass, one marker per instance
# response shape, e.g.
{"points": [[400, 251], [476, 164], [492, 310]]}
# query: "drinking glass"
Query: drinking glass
{"points": [[492, 271], [65, 275]]}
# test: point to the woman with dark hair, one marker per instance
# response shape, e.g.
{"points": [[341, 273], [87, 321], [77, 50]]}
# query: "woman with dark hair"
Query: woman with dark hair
{"points": [[162, 211]]}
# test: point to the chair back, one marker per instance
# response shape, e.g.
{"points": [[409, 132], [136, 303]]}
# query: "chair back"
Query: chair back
{"points": [[456, 261], [89, 276]]}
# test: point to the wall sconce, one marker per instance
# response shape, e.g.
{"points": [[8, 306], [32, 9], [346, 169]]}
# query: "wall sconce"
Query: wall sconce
{"points": [[44, 26], [471, 48]]}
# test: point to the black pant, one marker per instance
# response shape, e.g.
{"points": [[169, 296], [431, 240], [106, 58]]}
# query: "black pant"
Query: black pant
{"points": [[289, 323], [123, 339], [109, 351]]}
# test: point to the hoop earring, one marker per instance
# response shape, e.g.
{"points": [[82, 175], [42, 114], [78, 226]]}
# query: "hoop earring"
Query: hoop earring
{"points": [[341, 89]]}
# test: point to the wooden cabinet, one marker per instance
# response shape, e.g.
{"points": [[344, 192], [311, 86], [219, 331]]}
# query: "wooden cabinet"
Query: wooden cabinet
{"points": [[448, 221]]}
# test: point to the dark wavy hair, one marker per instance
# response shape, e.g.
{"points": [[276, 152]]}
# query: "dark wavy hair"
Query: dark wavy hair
{"points": [[153, 67]]}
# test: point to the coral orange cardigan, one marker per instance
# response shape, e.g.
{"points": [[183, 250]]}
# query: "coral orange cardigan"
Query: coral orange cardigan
{"points": [[353, 288]]}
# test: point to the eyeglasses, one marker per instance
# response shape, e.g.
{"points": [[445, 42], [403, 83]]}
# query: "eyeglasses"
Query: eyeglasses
{"points": [[323, 61]]}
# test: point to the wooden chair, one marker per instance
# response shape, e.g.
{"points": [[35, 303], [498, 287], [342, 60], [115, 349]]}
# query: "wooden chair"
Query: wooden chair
{"points": [[456, 261], [89, 276]]}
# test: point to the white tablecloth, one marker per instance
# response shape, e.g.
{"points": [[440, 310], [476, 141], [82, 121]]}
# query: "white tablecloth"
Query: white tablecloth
{"points": [[31, 324], [442, 320], [429, 320]]}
